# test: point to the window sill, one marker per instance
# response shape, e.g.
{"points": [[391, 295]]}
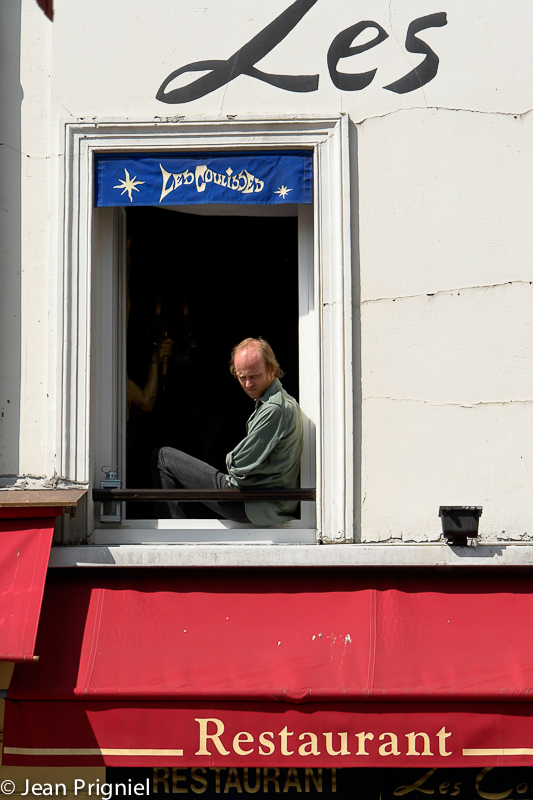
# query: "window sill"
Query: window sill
{"points": [[267, 554], [201, 531]]}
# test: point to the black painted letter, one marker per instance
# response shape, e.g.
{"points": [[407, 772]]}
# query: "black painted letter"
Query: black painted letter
{"points": [[427, 70], [242, 63], [340, 48]]}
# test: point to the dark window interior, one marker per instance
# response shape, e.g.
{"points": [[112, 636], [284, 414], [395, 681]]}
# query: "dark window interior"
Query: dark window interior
{"points": [[207, 283]]}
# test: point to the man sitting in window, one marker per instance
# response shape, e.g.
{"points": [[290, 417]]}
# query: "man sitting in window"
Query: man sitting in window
{"points": [[267, 458]]}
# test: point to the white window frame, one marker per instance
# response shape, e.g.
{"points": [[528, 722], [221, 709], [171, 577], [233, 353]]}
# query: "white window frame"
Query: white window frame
{"points": [[81, 426]]}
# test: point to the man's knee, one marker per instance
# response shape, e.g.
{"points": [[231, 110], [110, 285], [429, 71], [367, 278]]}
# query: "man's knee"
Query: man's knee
{"points": [[169, 461], [154, 458], [159, 456]]}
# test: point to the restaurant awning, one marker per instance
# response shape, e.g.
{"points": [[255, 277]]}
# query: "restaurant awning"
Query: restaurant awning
{"points": [[24, 551], [276, 668], [27, 520]]}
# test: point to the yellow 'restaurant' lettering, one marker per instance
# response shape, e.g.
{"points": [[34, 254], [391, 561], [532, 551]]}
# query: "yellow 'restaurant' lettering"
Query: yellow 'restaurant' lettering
{"points": [[442, 735], [390, 746], [250, 788], [243, 780], [284, 738], [178, 778], [411, 738], [343, 742], [309, 748], [361, 738], [266, 746], [214, 737], [250, 780], [267, 778], [417, 744], [239, 739], [310, 774], [160, 778], [293, 781], [200, 783], [233, 781]]}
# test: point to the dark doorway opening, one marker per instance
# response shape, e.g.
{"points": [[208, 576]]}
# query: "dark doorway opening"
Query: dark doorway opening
{"points": [[206, 282]]}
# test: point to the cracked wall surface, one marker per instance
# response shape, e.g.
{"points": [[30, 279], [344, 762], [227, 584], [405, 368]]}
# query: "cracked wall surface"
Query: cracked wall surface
{"points": [[446, 324], [441, 225]]}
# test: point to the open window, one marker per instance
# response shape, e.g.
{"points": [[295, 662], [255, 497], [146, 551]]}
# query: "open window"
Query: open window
{"points": [[196, 285], [206, 280]]}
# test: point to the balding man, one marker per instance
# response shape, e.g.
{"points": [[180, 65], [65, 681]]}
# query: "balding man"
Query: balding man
{"points": [[267, 458]]}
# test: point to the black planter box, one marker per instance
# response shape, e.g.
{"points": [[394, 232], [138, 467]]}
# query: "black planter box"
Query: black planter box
{"points": [[460, 523]]}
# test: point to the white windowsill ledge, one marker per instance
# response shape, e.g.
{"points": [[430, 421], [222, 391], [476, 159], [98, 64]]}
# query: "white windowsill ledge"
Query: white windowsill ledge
{"points": [[201, 531], [265, 554]]}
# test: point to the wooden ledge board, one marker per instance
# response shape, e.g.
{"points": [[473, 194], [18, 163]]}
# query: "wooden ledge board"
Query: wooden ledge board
{"points": [[22, 498]]}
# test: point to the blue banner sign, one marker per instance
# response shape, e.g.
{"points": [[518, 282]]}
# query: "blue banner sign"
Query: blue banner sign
{"points": [[194, 179]]}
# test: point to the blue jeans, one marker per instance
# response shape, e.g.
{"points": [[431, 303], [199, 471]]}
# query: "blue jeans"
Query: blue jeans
{"points": [[173, 469]]}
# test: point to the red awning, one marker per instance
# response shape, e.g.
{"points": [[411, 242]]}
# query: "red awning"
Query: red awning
{"points": [[275, 668], [24, 552]]}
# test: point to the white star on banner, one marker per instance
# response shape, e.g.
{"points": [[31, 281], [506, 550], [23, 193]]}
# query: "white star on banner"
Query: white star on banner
{"points": [[283, 191], [128, 185]]}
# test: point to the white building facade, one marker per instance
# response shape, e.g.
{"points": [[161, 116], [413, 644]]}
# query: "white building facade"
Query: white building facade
{"points": [[413, 349], [399, 295]]}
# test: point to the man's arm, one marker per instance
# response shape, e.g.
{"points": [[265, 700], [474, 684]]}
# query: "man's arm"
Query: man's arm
{"points": [[251, 454], [145, 398]]}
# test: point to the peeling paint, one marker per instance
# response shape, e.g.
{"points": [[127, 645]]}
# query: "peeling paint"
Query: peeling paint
{"points": [[23, 482]]}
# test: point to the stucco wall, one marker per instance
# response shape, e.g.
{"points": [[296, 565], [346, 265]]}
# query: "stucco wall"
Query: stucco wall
{"points": [[442, 238]]}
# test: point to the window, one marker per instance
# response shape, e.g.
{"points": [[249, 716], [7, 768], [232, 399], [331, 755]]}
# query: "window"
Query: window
{"points": [[204, 282], [317, 285]]}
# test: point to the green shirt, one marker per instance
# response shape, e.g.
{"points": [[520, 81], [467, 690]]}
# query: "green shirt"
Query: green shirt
{"points": [[269, 456]]}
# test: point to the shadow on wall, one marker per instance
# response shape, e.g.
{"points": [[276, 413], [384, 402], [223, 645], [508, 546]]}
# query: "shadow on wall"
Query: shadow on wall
{"points": [[48, 8], [11, 95]]}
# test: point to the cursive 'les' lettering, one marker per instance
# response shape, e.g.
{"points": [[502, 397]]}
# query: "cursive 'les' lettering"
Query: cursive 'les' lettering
{"points": [[242, 62], [426, 71]]}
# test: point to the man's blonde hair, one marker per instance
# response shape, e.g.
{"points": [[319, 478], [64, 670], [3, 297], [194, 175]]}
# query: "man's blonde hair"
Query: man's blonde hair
{"points": [[264, 348]]}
